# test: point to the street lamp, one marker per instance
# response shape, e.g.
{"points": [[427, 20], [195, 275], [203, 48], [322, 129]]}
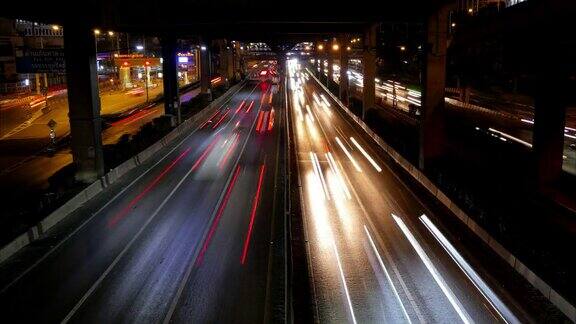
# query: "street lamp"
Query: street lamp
{"points": [[402, 48], [110, 33], [55, 27], [335, 47], [320, 47], [96, 32], [139, 47]]}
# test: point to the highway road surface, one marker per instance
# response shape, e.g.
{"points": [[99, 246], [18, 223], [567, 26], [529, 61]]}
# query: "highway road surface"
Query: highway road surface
{"points": [[376, 254], [186, 237]]}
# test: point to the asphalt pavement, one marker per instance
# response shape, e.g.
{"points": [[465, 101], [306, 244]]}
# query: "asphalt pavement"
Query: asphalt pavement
{"points": [[184, 238], [373, 251]]}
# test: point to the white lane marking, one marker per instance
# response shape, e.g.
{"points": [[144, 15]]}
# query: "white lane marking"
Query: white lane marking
{"points": [[410, 297], [343, 278], [433, 271], [387, 274], [126, 248], [387, 254], [186, 277], [368, 157], [35, 264], [486, 292], [356, 166]]}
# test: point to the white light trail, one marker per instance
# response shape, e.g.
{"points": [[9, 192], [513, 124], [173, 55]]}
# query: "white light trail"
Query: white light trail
{"points": [[356, 166], [320, 175], [527, 121], [338, 175], [343, 278], [309, 113], [467, 269], [387, 274], [510, 137], [368, 157], [435, 274]]}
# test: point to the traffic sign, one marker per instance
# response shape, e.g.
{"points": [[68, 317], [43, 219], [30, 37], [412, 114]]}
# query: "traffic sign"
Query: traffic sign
{"points": [[40, 61]]}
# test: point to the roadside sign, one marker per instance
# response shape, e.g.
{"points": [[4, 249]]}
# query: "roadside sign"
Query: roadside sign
{"points": [[40, 61]]}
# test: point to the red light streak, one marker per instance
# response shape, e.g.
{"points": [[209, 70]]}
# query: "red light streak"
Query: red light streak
{"points": [[221, 118], [264, 123], [260, 115], [253, 214], [141, 195], [222, 162], [250, 106], [271, 120], [206, 122], [240, 107], [130, 119], [218, 215]]}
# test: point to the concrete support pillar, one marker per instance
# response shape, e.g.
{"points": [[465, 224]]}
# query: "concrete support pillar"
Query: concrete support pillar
{"points": [[230, 64], [83, 102], [369, 69], [432, 135], [205, 69], [549, 122], [330, 53], [170, 75], [236, 60], [222, 59], [343, 90], [38, 85]]}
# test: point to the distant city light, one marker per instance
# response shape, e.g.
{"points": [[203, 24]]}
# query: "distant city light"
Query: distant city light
{"points": [[110, 33], [242, 47], [203, 48], [55, 27], [320, 47], [335, 47], [139, 47], [402, 48], [348, 48], [96, 31], [160, 74], [27, 82], [139, 75], [470, 10], [453, 24], [182, 59]]}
